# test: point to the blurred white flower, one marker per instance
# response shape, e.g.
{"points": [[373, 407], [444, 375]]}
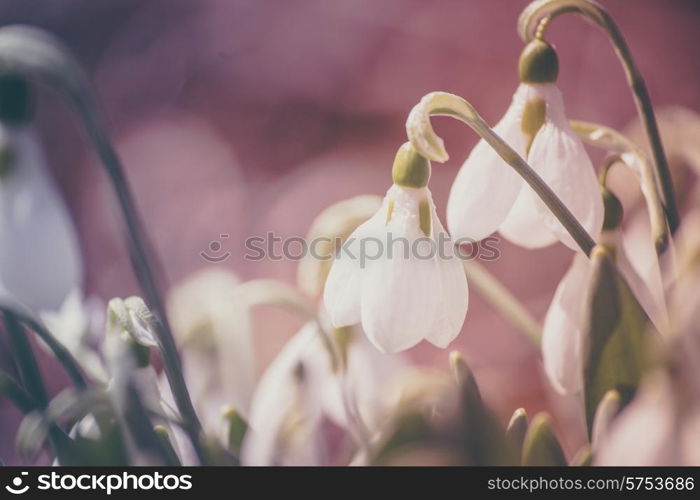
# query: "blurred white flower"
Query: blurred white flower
{"points": [[400, 276], [213, 329], [488, 195], [651, 431], [40, 262], [302, 387]]}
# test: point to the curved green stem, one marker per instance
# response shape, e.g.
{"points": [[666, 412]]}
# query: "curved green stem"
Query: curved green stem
{"points": [[62, 354], [37, 55], [422, 136], [632, 156], [533, 23], [28, 368], [501, 298], [14, 392]]}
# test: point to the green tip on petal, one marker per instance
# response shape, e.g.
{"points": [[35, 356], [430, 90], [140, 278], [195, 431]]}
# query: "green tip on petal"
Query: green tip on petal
{"points": [[16, 101], [538, 63], [534, 116], [410, 168]]}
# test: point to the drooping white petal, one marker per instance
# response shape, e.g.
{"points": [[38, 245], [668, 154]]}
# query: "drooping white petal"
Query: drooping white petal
{"points": [[455, 294], [523, 226], [341, 294], [640, 253], [40, 259], [368, 377], [213, 327], [560, 158], [279, 398], [401, 288], [486, 187], [652, 304], [562, 342]]}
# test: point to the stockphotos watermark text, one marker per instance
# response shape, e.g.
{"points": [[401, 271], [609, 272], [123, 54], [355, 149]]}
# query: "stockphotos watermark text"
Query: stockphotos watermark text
{"points": [[367, 249]]}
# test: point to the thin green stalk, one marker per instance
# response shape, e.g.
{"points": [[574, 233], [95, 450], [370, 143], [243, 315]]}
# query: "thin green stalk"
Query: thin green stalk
{"points": [[613, 141], [28, 368], [62, 354], [533, 22], [37, 55], [505, 302], [422, 136], [15, 393]]}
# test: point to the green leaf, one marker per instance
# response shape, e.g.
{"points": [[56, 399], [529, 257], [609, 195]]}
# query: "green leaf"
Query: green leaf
{"points": [[517, 429], [481, 434], [617, 332], [541, 446]]}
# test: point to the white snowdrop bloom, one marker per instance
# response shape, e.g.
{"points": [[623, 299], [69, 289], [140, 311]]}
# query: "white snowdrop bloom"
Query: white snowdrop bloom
{"points": [[562, 335], [488, 195], [398, 273], [40, 262], [214, 332], [287, 412]]}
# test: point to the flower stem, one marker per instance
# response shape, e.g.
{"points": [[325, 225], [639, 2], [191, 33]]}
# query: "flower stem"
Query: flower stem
{"points": [[36, 54], [533, 22], [62, 354], [422, 136], [28, 368], [14, 392], [632, 156], [500, 297]]}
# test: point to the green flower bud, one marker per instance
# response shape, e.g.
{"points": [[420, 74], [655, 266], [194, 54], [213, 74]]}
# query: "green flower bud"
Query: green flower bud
{"points": [[538, 63], [16, 102], [613, 210], [410, 168]]}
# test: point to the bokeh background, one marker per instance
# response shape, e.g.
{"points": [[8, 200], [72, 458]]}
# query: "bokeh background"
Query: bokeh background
{"points": [[241, 117]]}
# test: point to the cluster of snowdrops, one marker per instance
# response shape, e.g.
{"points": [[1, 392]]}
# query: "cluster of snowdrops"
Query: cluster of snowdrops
{"points": [[621, 332]]}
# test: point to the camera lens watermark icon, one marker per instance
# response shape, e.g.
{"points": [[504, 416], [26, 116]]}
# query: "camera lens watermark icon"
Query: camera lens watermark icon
{"points": [[212, 253], [16, 488]]}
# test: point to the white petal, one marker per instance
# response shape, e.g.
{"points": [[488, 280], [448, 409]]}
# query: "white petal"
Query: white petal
{"points": [[486, 187], [523, 225], [562, 342], [275, 396], [641, 289], [40, 259], [640, 256], [341, 294], [455, 294], [559, 157], [401, 289]]}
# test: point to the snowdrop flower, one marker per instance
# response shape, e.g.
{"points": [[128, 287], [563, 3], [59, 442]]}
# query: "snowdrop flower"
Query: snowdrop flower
{"points": [[40, 263], [488, 195], [562, 336], [398, 274], [302, 387], [214, 332]]}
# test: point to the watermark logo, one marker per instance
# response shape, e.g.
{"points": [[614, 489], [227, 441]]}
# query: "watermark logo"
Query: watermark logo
{"points": [[16, 487], [215, 246]]}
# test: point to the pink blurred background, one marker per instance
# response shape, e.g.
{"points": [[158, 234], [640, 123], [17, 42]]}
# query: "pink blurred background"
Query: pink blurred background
{"points": [[242, 117]]}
